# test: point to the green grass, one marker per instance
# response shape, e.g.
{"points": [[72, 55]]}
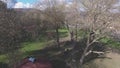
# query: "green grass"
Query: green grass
{"points": [[62, 32], [27, 47], [81, 33], [107, 40], [31, 46], [3, 58], [110, 42]]}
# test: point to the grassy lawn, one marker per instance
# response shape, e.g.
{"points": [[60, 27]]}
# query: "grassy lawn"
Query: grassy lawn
{"points": [[3, 58], [62, 32], [28, 47], [110, 42], [31, 46]]}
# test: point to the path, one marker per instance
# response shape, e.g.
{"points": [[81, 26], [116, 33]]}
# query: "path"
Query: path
{"points": [[113, 61], [65, 39]]}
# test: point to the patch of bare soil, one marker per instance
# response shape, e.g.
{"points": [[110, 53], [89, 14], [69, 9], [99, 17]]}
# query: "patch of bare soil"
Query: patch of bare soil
{"points": [[112, 60]]}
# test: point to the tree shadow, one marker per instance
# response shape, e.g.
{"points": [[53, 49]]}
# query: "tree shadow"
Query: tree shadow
{"points": [[47, 52], [58, 56], [3, 65], [54, 54]]}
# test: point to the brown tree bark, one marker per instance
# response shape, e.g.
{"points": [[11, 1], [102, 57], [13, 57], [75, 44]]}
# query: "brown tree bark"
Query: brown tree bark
{"points": [[57, 37]]}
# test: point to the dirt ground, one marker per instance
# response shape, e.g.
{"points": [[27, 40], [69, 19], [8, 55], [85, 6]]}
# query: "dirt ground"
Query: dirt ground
{"points": [[112, 61]]}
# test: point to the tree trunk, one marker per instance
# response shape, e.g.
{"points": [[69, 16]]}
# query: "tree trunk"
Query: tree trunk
{"points": [[83, 56], [72, 36], [76, 30], [71, 33], [84, 52], [57, 37]]}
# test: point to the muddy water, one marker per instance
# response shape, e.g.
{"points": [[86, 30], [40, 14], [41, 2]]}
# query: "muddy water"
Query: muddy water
{"points": [[112, 61]]}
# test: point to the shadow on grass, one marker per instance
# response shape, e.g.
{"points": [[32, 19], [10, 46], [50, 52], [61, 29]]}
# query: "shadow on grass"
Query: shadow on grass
{"points": [[63, 34], [52, 53], [59, 55], [47, 52], [3, 65]]}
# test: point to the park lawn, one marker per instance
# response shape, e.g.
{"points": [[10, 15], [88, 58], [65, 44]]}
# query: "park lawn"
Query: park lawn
{"points": [[31, 46], [3, 58], [62, 32], [110, 42], [27, 47]]}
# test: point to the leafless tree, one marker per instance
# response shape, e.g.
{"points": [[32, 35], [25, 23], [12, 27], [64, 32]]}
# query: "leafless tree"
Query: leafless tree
{"points": [[72, 20], [53, 13], [32, 26], [97, 19]]}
